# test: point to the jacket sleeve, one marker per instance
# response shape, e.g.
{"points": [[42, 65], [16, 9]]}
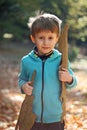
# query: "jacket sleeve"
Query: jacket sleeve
{"points": [[74, 82], [22, 77]]}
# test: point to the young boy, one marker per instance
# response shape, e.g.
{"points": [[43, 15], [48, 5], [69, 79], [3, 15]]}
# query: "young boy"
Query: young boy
{"points": [[45, 32]]}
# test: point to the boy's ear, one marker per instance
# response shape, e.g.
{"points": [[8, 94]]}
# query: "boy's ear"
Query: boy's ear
{"points": [[57, 38], [32, 38]]}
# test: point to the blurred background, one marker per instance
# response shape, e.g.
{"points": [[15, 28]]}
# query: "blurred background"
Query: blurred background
{"points": [[15, 43]]}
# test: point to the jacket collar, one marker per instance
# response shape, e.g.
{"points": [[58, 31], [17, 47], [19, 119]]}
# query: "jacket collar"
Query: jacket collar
{"points": [[43, 57]]}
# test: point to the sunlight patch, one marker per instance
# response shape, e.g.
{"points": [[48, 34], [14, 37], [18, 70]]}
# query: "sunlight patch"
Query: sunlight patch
{"points": [[16, 98], [7, 35]]}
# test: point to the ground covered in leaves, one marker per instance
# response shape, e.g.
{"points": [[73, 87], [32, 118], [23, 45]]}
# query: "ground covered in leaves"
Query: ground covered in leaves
{"points": [[11, 99]]}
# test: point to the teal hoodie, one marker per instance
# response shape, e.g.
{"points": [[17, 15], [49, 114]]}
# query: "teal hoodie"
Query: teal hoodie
{"points": [[47, 87]]}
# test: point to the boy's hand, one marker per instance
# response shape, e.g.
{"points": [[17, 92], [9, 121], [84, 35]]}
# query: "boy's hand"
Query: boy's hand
{"points": [[65, 76], [27, 88]]}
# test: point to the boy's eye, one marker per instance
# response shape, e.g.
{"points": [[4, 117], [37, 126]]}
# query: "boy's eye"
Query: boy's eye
{"points": [[40, 37], [50, 38]]}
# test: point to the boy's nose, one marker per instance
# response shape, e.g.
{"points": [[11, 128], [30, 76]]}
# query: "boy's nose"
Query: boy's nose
{"points": [[46, 41]]}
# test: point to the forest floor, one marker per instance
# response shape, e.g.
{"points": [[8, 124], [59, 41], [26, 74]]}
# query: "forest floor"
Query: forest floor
{"points": [[11, 99]]}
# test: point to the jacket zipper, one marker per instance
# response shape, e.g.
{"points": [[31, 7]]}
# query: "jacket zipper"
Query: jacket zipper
{"points": [[42, 100]]}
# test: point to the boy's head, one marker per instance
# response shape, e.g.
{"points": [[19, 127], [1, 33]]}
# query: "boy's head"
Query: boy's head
{"points": [[45, 22], [45, 32]]}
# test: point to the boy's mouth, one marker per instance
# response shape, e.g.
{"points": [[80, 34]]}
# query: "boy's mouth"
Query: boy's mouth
{"points": [[46, 47]]}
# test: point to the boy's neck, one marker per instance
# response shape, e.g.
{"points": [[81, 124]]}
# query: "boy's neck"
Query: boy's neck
{"points": [[44, 56]]}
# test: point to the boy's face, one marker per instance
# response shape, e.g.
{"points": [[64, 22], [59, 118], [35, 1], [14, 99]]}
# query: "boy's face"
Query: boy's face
{"points": [[45, 41]]}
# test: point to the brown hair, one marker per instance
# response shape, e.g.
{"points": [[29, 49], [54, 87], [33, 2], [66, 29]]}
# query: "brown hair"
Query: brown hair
{"points": [[45, 22]]}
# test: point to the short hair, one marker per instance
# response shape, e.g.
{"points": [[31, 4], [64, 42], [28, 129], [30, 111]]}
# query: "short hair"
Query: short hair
{"points": [[43, 22]]}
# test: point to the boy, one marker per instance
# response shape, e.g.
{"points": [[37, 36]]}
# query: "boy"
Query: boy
{"points": [[45, 32]]}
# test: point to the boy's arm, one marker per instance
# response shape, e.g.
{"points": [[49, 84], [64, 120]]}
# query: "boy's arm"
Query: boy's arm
{"points": [[74, 79], [67, 76], [22, 77]]}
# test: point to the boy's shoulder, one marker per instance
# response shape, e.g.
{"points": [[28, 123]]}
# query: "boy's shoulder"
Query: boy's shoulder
{"points": [[56, 52], [25, 57]]}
